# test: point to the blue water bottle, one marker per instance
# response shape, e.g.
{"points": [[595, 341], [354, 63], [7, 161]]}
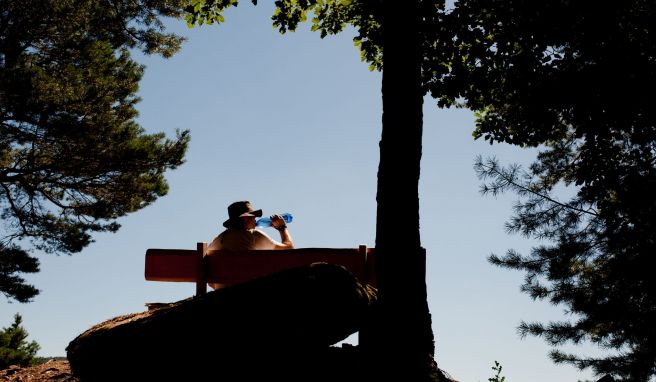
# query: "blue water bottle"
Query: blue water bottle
{"points": [[266, 221]]}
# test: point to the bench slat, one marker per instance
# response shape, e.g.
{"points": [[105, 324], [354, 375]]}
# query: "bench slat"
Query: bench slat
{"points": [[233, 267], [177, 265]]}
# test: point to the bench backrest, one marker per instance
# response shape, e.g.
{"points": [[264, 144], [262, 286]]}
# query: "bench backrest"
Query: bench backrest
{"points": [[232, 267]]}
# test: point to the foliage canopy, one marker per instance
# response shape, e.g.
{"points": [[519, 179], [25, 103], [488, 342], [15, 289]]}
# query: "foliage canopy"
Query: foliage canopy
{"points": [[574, 78], [72, 157]]}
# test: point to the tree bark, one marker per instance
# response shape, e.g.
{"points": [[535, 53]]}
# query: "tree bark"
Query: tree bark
{"points": [[401, 337]]}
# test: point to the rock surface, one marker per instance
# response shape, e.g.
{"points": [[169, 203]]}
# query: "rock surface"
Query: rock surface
{"points": [[51, 371], [276, 327]]}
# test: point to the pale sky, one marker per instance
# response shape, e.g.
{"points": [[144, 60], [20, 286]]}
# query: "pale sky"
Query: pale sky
{"points": [[292, 123]]}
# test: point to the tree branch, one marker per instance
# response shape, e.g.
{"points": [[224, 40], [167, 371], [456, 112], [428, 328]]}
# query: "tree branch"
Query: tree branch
{"points": [[511, 181]]}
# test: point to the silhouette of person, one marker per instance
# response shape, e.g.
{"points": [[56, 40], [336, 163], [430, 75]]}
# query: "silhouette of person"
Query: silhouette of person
{"points": [[240, 233]]}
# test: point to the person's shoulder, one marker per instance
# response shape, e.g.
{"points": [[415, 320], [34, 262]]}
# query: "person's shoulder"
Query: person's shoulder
{"points": [[262, 241], [261, 235], [225, 233], [257, 232]]}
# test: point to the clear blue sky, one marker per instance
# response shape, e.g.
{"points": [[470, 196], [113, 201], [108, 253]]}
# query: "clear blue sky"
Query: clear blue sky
{"points": [[292, 123]]}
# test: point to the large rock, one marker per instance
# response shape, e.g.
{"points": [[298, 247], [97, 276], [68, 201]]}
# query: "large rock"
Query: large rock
{"points": [[281, 325]]}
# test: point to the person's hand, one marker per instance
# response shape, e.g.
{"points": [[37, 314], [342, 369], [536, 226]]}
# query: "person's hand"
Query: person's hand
{"points": [[277, 222]]}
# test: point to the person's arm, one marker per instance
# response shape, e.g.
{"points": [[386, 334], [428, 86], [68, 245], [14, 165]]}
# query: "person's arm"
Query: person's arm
{"points": [[285, 237]]}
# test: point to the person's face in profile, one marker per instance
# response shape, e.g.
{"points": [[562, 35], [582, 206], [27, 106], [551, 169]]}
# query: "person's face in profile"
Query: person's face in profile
{"points": [[249, 222]]}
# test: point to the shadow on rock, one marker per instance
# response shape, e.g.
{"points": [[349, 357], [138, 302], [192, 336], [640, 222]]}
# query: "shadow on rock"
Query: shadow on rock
{"points": [[278, 326]]}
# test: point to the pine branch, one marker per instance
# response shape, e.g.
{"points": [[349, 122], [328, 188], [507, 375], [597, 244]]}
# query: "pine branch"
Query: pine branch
{"points": [[510, 181]]}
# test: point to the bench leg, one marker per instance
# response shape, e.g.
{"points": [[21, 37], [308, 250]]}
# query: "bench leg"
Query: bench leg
{"points": [[201, 283]]}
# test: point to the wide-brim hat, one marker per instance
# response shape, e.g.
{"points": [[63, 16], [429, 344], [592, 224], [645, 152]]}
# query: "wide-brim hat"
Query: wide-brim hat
{"points": [[238, 209]]}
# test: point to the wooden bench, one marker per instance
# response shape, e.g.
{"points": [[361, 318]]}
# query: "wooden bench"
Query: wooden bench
{"points": [[204, 266]]}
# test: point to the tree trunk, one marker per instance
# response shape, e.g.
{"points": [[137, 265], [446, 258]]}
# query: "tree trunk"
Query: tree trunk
{"points": [[401, 338]]}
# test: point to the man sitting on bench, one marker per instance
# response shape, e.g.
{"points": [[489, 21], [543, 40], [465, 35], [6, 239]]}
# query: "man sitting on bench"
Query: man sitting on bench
{"points": [[240, 233]]}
